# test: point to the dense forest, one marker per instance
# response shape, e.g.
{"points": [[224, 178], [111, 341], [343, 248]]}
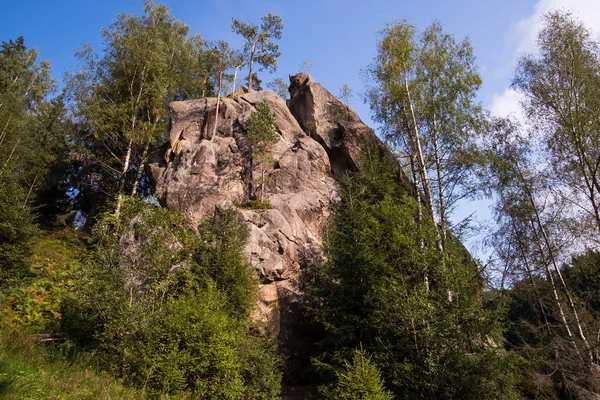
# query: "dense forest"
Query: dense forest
{"points": [[106, 294]]}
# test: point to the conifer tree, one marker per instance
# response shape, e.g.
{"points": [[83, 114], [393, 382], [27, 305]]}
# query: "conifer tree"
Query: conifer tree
{"points": [[259, 47], [261, 136]]}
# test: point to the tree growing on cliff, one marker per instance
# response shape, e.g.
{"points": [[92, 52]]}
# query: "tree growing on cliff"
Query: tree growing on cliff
{"points": [[280, 87], [259, 47], [261, 136], [222, 58]]}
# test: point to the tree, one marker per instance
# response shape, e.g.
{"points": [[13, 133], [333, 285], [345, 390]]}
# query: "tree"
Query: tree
{"points": [[527, 245], [345, 93], [306, 66], [422, 92], [279, 87], [360, 380], [369, 292], [177, 317], [259, 46], [560, 86], [120, 98], [261, 136], [256, 82], [223, 58]]}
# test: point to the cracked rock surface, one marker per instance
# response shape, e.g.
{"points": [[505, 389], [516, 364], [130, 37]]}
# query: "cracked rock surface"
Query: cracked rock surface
{"points": [[320, 139]]}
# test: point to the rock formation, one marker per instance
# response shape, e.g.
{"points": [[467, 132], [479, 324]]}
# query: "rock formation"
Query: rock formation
{"points": [[320, 139]]}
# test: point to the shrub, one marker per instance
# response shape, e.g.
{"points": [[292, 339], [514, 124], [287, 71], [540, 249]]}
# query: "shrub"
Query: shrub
{"points": [[170, 310], [256, 205], [17, 227], [360, 380]]}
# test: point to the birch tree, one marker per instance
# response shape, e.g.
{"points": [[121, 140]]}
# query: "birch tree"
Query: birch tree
{"points": [[120, 97], [422, 92], [561, 86]]}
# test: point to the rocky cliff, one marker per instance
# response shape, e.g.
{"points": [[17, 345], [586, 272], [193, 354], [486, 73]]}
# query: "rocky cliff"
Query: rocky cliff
{"points": [[320, 139]]}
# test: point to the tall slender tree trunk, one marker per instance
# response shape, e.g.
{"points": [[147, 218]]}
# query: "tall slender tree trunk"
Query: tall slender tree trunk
{"points": [[250, 67], [553, 260], [212, 139], [12, 152], [438, 167], [554, 290], [138, 173], [122, 178], [421, 161], [536, 291], [4, 134], [30, 190]]}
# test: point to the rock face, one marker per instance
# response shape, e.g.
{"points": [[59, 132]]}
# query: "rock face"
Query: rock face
{"points": [[319, 140]]}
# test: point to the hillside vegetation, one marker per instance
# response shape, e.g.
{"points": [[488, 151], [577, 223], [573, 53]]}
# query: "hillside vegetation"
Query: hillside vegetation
{"points": [[105, 294]]}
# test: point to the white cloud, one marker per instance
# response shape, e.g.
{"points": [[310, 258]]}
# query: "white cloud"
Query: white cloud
{"points": [[507, 104], [522, 38], [588, 11]]}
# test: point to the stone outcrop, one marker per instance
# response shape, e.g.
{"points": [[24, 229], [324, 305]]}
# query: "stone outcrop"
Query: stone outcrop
{"points": [[320, 138]]}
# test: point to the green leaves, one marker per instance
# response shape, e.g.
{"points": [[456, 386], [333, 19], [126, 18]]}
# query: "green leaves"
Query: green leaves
{"points": [[372, 291], [360, 380], [262, 131]]}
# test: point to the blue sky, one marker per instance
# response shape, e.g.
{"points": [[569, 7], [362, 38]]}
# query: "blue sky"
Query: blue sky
{"points": [[338, 36]]}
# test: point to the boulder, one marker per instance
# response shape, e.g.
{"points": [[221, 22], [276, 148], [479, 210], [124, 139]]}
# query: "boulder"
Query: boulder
{"points": [[320, 140], [200, 171]]}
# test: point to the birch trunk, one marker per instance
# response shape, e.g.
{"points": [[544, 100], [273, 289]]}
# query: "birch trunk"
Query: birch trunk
{"points": [[217, 111], [138, 174], [122, 179]]}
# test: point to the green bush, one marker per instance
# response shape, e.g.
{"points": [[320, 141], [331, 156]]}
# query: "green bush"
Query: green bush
{"points": [[169, 310], [256, 205], [360, 380], [17, 227], [219, 254]]}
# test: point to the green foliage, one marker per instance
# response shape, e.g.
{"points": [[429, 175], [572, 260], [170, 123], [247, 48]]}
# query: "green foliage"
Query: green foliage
{"points": [[259, 47], [373, 292], [169, 310], [35, 302], [189, 343], [219, 253], [119, 98], [583, 276], [560, 84], [345, 93], [262, 131], [29, 371], [360, 380], [16, 229], [280, 88], [256, 205], [261, 136], [422, 91]]}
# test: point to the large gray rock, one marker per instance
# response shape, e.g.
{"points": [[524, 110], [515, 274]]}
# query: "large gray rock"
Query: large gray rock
{"points": [[199, 172], [321, 139]]}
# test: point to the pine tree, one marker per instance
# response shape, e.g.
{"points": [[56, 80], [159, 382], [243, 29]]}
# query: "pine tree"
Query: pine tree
{"points": [[259, 47]]}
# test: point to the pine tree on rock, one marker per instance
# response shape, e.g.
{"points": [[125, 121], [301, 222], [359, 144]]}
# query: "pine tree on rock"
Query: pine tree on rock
{"points": [[259, 47]]}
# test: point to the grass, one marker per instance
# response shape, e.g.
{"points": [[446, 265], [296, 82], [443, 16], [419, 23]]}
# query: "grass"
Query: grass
{"points": [[256, 205], [29, 370]]}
